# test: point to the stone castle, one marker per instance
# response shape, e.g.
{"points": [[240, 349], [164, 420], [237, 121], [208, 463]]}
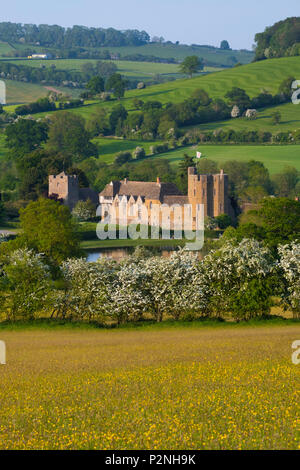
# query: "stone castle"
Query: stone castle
{"points": [[66, 188], [138, 197]]}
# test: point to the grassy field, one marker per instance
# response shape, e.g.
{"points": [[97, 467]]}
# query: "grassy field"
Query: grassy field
{"points": [[109, 147], [215, 56], [274, 157], [255, 77], [21, 92], [5, 48], [290, 120], [163, 387], [136, 70]]}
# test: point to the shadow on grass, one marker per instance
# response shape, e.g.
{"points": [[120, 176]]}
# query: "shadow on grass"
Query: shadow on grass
{"points": [[54, 324]]}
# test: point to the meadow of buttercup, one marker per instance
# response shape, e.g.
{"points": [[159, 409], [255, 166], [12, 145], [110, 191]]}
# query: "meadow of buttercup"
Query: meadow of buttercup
{"points": [[162, 388]]}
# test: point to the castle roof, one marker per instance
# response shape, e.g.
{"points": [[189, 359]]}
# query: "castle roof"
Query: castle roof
{"points": [[181, 200], [156, 191]]}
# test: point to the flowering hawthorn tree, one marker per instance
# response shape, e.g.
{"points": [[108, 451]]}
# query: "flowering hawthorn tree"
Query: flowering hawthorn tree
{"points": [[26, 284], [187, 291], [87, 289], [173, 285], [290, 265], [127, 296], [84, 210], [238, 277]]}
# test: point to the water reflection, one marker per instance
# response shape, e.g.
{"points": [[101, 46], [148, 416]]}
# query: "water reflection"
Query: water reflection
{"points": [[120, 253]]}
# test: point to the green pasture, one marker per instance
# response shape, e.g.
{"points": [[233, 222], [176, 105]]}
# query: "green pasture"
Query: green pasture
{"points": [[211, 55], [265, 75], [179, 52], [290, 120], [5, 48], [22, 92], [135, 70], [274, 157], [109, 147]]}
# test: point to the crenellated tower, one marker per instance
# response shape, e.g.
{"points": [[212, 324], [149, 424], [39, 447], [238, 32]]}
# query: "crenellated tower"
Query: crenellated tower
{"points": [[65, 187], [210, 190]]}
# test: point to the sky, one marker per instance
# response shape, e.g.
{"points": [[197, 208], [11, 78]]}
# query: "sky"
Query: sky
{"points": [[187, 21]]}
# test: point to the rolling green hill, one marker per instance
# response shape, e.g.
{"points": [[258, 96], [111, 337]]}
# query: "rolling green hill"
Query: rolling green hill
{"points": [[265, 75], [21, 92], [135, 70], [215, 56], [109, 147], [255, 77], [5, 48], [290, 120], [275, 158], [211, 55]]}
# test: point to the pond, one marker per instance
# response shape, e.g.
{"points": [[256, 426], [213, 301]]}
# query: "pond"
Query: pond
{"points": [[120, 253]]}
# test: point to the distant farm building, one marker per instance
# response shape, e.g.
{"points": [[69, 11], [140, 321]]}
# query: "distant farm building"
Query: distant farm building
{"points": [[39, 56]]}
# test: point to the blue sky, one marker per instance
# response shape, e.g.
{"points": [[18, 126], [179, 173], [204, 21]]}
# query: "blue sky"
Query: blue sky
{"points": [[188, 21]]}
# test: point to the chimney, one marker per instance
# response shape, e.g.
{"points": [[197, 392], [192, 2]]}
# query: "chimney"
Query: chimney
{"points": [[125, 180], [158, 180], [221, 172]]}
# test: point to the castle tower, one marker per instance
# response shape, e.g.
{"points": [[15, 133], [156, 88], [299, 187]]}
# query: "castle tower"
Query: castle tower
{"points": [[210, 190], [200, 191], [65, 187], [221, 203]]}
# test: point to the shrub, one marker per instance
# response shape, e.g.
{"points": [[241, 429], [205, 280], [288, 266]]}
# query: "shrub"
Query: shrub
{"points": [[139, 153], [84, 210], [122, 157], [26, 284]]}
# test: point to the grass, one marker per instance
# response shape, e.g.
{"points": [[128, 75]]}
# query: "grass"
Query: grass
{"points": [[255, 77], [109, 147], [131, 69], [155, 388], [21, 92], [5, 48], [290, 120], [214, 56], [274, 157], [118, 243], [179, 52]]}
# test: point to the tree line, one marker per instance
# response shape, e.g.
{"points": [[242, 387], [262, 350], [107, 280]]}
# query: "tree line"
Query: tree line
{"points": [[280, 40], [238, 277], [152, 119], [63, 142], [58, 36]]}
